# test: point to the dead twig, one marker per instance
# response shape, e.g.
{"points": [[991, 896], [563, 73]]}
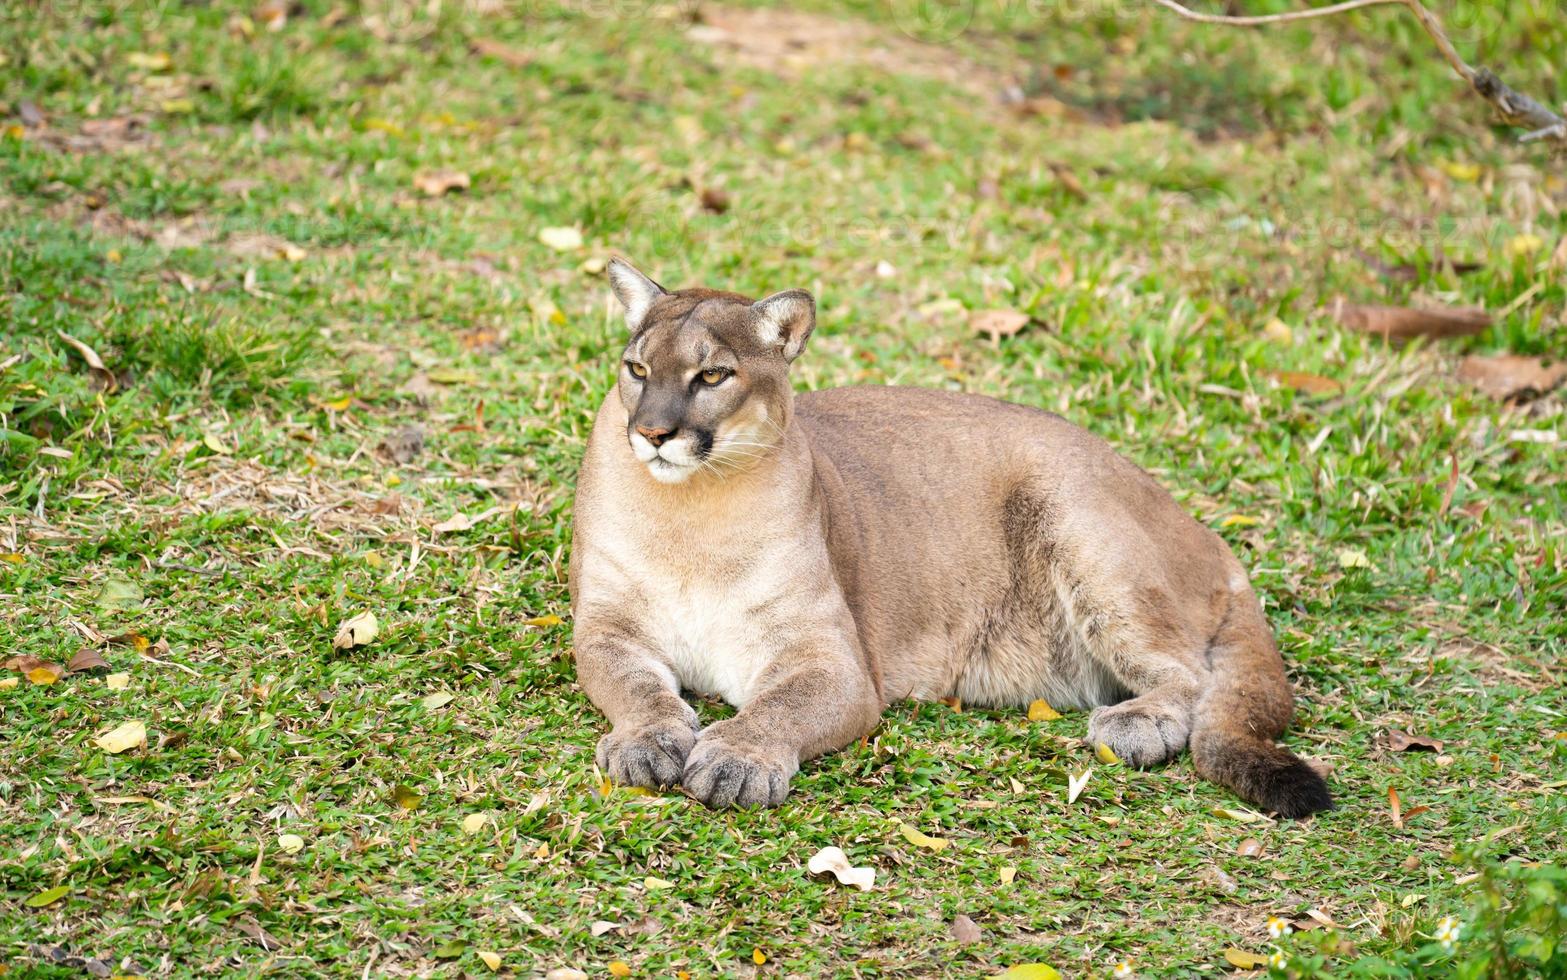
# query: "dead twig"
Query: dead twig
{"points": [[1515, 108]]}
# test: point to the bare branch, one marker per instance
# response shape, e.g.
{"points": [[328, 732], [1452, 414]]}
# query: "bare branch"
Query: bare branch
{"points": [[1515, 108]]}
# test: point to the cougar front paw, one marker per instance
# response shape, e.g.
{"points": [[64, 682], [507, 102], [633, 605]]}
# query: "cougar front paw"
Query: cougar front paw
{"points": [[650, 755], [724, 771], [1140, 735]]}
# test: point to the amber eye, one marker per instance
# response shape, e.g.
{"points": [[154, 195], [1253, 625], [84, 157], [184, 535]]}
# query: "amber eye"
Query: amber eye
{"points": [[713, 376], [637, 370]]}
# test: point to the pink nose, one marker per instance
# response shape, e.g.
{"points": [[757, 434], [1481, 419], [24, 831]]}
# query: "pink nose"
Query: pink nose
{"points": [[655, 436]]}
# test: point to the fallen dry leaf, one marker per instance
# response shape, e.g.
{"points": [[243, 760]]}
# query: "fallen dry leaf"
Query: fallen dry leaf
{"points": [[25, 662], [1511, 377], [832, 860], [918, 839], [1236, 813], [253, 931], [290, 843], [117, 682], [1008, 875], [1396, 808], [462, 522], [1249, 848], [101, 374], [965, 930], [1029, 971], [1040, 710], [45, 675], [602, 926], [549, 619], [515, 57], [561, 239], [1311, 384], [1106, 755], [618, 968], [356, 632], [473, 823], [1400, 741], [87, 658], [1076, 784], [491, 960], [653, 884], [439, 699], [128, 736], [997, 323], [1406, 323], [406, 797], [435, 183], [1243, 960]]}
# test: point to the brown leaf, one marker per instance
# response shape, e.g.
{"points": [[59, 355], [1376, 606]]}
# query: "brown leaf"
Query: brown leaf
{"points": [[87, 658], [515, 57], [998, 323], [965, 930], [25, 662], [1311, 384], [1396, 807], [1249, 848], [1400, 741], [1511, 377], [1405, 323], [435, 183], [101, 374], [715, 200], [253, 931]]}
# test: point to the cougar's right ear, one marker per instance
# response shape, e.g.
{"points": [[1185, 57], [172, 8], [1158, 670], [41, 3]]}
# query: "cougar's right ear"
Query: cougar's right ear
{"points": [[635, 291]]}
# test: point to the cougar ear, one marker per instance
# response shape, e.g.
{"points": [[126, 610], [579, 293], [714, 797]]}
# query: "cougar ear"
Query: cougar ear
{"points": [[785, 319], [635, 291]]}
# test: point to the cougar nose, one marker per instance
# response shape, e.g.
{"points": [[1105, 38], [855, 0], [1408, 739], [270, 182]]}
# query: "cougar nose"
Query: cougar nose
{"points": [[656, 436]]}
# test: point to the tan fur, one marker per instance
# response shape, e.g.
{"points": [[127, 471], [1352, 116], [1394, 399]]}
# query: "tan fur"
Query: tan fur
{"points": [[847, 548]]}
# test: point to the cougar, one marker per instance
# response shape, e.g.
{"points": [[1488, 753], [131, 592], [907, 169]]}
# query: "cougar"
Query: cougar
{"points": [[813, 558]]}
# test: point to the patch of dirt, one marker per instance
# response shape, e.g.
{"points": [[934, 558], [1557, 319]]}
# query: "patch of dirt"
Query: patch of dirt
{"points": [[791, 43], [309, 499]]}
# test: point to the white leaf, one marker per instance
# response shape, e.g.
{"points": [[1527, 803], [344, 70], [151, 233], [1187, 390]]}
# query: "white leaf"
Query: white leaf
{"points": [[832, 859], [356, 632], [1075, 784], [290, 843], [127, 736]]}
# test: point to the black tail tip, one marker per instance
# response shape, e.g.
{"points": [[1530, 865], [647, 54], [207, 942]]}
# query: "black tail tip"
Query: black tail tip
{"points": [[1296, 790]]}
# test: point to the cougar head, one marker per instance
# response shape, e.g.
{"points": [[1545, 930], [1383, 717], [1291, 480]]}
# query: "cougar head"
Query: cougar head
{"points": [[705, 374]]}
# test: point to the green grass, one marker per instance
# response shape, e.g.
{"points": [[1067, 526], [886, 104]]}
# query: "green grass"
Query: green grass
{"points": [[236, 473]]}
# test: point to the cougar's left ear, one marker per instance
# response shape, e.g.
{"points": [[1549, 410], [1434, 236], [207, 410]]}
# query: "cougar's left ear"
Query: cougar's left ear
{"points": [[785, 319], [635, 291]]}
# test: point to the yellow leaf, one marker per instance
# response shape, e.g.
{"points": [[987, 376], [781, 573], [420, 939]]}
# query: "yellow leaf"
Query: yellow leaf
{"points": [[1029, 971], [406, 797], [113, 256], [117, 682], [212, 442], [1353, 558], [356, 632], [1524, 245], [289, 252], [1279, 332], [757, 956], [542, 852], [1008, 875], [1237, 813], [290, 843], [177, 107], [1240, 520], [11, 558], [9, 682], [1017, 785], [561, 239], [339, 404], [43, 675], [491, 960], [1106, 755], [682, 975], [127, 736], [618, 968], [382, 125], [473, 823], [1459, 170], [1243, 960], [374, 559], [1041, 711], [653, 884], [155, 61], [918, 839], [549, 620]]}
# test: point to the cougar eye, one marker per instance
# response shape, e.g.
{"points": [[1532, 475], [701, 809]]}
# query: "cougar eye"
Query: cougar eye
{"points": [[713, 376], [637, 370]]}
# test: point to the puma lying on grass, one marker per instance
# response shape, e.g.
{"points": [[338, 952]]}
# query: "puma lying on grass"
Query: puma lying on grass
{"points": [[811, 559]]}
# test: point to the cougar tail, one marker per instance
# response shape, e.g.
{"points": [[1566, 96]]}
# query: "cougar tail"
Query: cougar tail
{"points": [[1247, 707]]}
